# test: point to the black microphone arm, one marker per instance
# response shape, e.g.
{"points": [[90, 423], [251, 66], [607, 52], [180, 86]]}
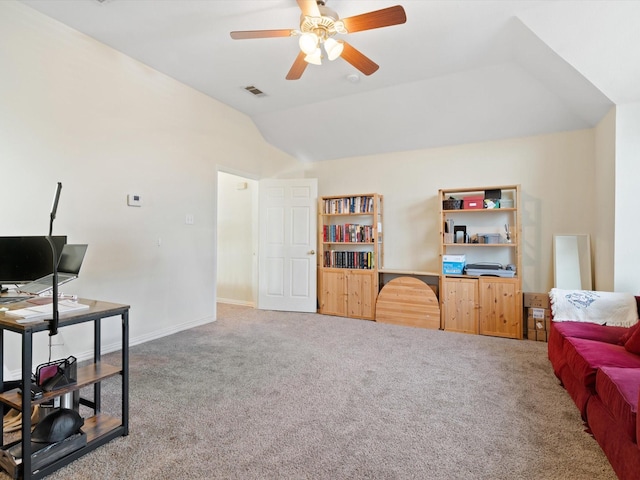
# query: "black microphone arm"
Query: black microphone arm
{"points": [[53, 325]]}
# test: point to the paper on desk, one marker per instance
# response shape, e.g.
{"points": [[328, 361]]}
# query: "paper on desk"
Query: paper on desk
{"points": [[31, 314]]}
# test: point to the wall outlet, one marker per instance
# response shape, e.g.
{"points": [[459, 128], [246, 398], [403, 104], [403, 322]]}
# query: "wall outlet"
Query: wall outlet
{"points": [[189, 219]]}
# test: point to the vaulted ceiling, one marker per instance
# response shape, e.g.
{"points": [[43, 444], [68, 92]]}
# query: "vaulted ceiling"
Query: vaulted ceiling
{"points": [[455, 72]]}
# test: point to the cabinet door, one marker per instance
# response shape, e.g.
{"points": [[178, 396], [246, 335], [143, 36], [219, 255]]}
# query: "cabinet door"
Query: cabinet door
{"points": [[361, 295], [460, 305], [500, 307], [333, 298]]}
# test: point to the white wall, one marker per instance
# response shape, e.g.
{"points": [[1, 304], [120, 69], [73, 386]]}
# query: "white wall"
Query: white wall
{"points": [[76, 111], [627, 254], [556, 172], [602, 242], [237, 252]]}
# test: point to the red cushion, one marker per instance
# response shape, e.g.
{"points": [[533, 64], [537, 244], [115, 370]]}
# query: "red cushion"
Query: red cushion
{"points": [[627, 335], [591, 331], [584, 357], [633, 343], [618, 389]]}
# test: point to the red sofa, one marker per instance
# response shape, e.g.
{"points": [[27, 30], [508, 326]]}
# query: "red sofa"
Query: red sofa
{"points": [[599, 366]]}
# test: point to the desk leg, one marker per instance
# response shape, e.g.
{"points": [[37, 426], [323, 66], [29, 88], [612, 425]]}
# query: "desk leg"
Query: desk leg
{"points": [[125, 372], [27, 358], [97, 347], [2, 380]]}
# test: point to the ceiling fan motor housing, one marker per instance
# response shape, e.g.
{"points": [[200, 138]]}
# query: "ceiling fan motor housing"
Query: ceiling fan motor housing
{"points": [[325, 26]]}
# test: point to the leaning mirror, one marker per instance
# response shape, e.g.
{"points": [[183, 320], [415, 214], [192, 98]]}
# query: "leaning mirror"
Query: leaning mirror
{"points": [[572, 262]]}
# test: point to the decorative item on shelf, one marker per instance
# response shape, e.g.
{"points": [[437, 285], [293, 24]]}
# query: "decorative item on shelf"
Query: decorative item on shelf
{"points": [[452, 204], [507, 232], [460, 234], [490, 203]]}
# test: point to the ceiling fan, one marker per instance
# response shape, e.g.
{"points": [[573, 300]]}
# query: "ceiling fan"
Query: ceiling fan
{"points": [[318, 25]]}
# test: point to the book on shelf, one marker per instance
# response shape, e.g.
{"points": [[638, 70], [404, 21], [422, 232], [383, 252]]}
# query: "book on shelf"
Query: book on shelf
{"points": [[347, 233], [354, 260], [360, 204]]}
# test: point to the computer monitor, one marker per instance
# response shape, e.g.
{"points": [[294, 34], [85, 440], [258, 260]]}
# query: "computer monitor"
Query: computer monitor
{"points": [[23, 259]]}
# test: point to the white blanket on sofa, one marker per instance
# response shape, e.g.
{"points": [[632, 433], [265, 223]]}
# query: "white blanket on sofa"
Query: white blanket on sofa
{"points": [[611, 308]]}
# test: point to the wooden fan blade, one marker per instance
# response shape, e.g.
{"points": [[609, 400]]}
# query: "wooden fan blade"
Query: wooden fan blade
{"points": [[309, 8], [242, 35], [358, 60], [377, 19], [297, 69]]}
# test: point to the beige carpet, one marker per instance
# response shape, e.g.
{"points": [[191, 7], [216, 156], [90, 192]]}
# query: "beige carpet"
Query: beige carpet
{"points": [[261, 394]]}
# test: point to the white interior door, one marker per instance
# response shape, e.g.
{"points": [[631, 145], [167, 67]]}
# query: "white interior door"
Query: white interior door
{"points": [[287, 252]]}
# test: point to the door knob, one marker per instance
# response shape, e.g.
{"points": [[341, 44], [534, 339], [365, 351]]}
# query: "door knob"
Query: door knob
{"points": [[312, 252]]}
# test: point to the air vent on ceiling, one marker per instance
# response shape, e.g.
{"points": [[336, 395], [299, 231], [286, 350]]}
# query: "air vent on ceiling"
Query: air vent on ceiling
{"points": [[256, 91]]}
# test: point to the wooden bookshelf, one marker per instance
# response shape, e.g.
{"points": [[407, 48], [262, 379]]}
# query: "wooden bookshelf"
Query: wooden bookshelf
{"points": [[485, 304], [350, 247]]}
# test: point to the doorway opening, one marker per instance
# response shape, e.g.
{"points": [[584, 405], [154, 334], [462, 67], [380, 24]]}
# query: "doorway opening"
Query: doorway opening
{"points": [[237, 239]]}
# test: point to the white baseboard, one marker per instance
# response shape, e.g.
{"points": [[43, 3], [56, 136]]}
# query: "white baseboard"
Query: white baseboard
{"points": [[231, 301]]}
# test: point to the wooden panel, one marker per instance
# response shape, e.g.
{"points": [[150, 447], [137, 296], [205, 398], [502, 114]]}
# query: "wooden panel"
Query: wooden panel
{"points": [[360, 294], [500, 307], [333, 300], [460, 305], [408, 301]]}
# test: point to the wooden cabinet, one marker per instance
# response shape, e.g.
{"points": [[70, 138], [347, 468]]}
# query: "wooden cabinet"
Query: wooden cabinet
{"points": [[349, 254], [348, 293], [479, 300]]}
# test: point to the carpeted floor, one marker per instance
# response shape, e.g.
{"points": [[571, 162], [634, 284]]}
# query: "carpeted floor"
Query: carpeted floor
{"points": [[261, 394]]}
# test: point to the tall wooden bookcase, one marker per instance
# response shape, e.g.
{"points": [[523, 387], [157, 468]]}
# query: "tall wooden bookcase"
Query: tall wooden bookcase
{"points": [[478, 303], [350, 253]]}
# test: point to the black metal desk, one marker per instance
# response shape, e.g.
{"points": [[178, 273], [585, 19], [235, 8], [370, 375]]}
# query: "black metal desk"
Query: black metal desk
{"points": [[100, 428]]}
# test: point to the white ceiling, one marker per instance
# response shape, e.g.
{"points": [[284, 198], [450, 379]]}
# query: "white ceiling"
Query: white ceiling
{"points": [[456, 72]]}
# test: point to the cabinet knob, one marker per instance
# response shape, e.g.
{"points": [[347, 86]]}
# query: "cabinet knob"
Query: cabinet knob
{"points": [[312, 252]]}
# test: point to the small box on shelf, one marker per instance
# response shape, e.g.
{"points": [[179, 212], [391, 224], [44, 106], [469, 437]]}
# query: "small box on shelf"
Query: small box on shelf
{"points": [[489, 238], [453, 264], [473, 202]]}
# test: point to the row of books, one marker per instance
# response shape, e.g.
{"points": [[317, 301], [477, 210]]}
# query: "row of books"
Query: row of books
{"points": [[341, 259], [348, 205], [349, 232]]}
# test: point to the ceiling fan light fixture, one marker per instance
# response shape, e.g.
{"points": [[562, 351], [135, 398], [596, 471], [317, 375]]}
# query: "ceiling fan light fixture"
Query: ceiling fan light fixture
{"points": [[308, 42], [333, 48], [315, 57]]}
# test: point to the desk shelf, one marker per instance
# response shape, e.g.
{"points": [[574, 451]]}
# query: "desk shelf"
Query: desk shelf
{"points": [[87, 375]]}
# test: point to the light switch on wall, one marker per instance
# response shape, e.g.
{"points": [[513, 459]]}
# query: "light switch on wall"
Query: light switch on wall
{"points": [[189, 219]]}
